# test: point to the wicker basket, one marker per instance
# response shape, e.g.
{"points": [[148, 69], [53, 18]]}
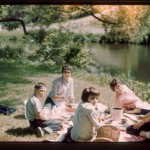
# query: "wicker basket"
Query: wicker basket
{"points": [[109, 131], [102, 139]]}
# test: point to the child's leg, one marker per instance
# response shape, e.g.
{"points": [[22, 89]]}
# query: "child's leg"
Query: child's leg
{"points": [[32, 129], [49, 103], [139, 111], [35, 126], [132, 131], [144, 111]]}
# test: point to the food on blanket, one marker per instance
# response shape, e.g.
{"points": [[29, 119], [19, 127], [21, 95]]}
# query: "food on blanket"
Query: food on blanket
{"points": [[108, 120], [123, 121], [69, 105], [99, 119], [107, 111], [68, 109]]}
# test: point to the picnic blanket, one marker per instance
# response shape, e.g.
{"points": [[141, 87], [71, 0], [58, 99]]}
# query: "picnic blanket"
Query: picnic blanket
{"points": [[124, 137]]}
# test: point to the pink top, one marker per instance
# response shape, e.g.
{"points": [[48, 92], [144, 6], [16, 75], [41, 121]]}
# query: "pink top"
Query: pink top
{"points": [[125, 97]]}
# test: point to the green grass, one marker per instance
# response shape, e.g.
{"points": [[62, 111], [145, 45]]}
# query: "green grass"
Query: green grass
{"points": [[16, 85]]}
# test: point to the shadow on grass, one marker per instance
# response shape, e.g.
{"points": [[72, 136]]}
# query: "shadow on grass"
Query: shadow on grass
{"points": [[11, 73], [19, 132], [16, 71], [20, 116]]}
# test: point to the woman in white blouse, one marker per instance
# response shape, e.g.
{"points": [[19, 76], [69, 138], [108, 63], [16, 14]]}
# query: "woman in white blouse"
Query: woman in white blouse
{"points": [[62, 90]]}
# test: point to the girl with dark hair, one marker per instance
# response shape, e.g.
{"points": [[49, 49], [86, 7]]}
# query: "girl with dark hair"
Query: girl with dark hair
{"points": [[62, 90], [85, 120], [126, 99]]}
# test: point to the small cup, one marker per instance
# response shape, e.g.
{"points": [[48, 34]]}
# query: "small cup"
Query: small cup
{"points": [[123, 121]]}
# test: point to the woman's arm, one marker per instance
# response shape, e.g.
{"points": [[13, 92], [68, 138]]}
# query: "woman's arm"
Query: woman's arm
{"points": [[71, 91], [95, 120], [144, 120], [59, 97], [146, 117]]}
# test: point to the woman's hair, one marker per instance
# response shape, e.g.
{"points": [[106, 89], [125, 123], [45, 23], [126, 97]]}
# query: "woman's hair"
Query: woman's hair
{"points": [[66, 67], [89, 91], [39, 85], [113, 83]]}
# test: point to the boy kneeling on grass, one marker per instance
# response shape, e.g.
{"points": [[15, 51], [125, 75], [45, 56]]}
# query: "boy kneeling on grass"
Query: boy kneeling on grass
{"points": [[40, 118]]}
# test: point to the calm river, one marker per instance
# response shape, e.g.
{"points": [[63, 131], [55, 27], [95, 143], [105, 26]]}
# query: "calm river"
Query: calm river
{"points": [[133, 60]]}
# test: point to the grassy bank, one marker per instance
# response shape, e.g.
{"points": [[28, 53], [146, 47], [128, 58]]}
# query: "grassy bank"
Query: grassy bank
{"points": [[16, 85]]}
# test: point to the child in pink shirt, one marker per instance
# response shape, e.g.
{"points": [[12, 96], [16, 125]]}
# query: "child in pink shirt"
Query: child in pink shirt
{"points": [[126, 99]]}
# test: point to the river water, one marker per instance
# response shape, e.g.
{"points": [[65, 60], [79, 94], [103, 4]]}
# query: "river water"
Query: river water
{"points": [[132, 60]]}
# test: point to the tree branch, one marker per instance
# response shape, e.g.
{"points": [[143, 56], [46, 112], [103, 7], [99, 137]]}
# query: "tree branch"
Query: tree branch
{"points": [[99, 19], [13, 20]]}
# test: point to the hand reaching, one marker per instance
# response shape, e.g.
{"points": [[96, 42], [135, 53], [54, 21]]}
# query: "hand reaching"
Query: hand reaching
{"points": [[138, 125]]}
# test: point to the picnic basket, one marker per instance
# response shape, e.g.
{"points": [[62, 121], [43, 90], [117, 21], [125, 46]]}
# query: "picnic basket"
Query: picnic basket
{"points": [[102, 139], [108, 131]]}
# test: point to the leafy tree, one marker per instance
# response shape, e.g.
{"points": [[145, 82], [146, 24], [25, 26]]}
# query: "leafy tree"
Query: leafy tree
{"points": [[130, 18], [143, 33], [122, 23], [15, 16]]}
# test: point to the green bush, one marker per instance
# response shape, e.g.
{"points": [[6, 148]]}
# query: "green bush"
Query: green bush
{"points": [[76, 57], [114, 37], [8, 52], [38, 35], [53, 47], [61, 47], [10, 25]]}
